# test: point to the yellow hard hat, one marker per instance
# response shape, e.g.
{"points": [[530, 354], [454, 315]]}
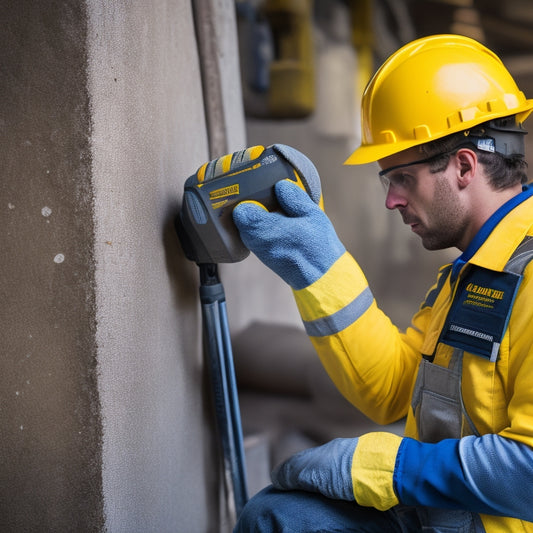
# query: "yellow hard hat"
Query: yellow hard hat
{"points": [[430, 88]]}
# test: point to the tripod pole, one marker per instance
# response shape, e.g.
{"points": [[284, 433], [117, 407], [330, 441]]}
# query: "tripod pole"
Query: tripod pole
{"points": [[217, 345]]}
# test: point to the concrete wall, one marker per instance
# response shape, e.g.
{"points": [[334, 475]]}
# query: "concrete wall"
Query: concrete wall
{"points": [[106, 419], [148, 133]]}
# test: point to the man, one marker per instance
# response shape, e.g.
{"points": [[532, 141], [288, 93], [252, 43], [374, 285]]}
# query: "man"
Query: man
{"points": [[443, 119]]}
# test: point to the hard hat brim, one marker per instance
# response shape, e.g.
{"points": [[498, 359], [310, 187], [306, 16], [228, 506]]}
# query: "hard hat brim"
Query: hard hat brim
{"points": [[372, 153]]}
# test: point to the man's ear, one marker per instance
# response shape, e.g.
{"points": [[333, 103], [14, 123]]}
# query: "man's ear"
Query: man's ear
{"points": [[467, 163]]}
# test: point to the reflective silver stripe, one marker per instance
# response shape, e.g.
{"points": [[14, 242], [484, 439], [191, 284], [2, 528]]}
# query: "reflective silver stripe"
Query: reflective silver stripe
{"points": [[329, 325]]}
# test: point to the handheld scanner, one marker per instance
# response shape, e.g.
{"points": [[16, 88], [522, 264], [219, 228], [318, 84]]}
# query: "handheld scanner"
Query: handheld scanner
{"points": [[205, 225]]}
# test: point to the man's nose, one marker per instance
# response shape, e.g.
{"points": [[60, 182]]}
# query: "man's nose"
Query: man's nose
{"points": [[395, 198]]}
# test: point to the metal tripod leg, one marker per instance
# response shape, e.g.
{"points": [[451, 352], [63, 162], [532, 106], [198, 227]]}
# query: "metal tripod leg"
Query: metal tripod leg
{"points": [[220, 358]]}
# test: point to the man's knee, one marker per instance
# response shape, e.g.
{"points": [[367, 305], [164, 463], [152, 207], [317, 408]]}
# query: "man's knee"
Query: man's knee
{"points": [[264, 512]]}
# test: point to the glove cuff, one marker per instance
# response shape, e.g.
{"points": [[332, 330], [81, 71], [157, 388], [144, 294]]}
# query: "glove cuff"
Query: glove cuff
{"points": [[335, 300], [373, 466]]}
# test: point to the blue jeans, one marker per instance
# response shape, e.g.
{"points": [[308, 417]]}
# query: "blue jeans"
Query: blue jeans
{"points": [[273, 511]]}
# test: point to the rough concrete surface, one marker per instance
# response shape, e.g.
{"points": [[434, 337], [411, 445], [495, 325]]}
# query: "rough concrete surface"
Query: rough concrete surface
{"points": [[50, 443], [159, 460]]}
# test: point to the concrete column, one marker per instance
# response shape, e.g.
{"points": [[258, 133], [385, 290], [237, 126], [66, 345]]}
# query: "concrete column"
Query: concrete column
{"points": [[105, 412]]}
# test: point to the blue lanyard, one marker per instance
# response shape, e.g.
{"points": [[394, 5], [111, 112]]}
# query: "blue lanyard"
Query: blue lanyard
{"points": [[486, 229]]}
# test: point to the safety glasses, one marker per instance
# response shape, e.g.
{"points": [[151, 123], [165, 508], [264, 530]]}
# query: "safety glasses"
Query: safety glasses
{"points": [[397, 177]]}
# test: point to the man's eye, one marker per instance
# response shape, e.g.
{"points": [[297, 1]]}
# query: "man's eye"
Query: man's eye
{"points": [[400, 180]]}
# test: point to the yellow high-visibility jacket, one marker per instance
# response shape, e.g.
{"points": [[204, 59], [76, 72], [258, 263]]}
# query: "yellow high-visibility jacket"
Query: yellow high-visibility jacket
{"points": [[375, 366]]}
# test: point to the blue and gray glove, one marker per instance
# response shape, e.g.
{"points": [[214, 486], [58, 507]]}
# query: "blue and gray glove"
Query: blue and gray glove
{"points": [[326, 469], [299, 243]]}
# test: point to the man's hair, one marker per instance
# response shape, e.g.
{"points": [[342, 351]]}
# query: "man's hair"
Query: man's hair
{"points": [[502, 171]]}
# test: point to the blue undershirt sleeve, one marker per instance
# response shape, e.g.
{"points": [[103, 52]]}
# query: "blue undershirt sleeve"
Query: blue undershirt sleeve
{"points": [[488, 474]]}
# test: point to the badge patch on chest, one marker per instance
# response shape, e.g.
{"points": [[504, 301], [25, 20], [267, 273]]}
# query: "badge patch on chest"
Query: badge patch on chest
{"points": [[480, 311]]}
